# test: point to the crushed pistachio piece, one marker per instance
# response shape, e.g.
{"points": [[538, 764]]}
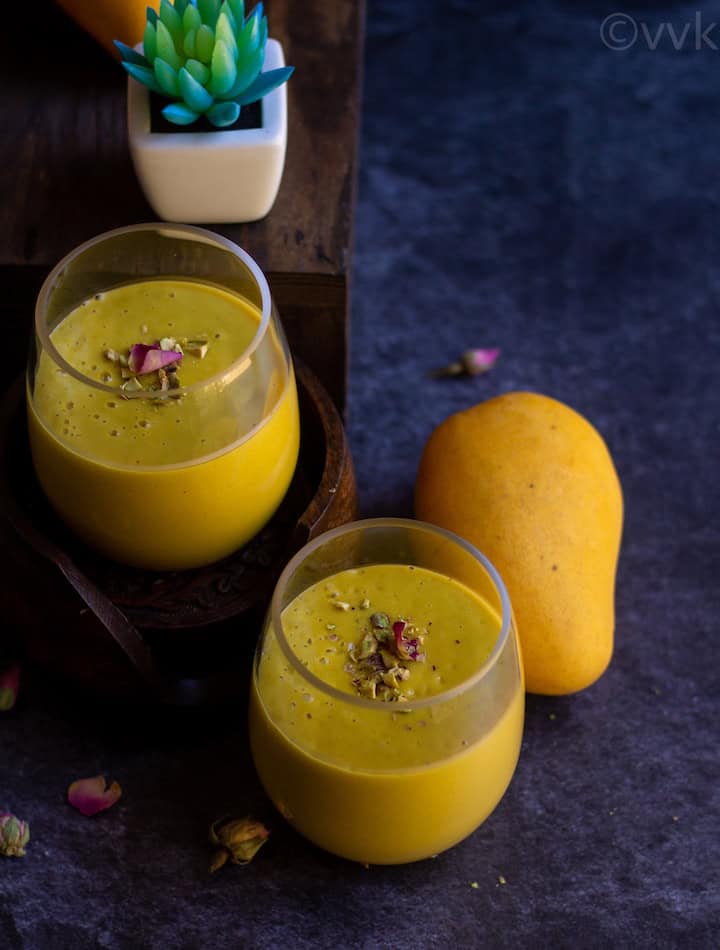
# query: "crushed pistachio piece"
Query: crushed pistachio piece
{"points": [[112, 355], [341, 605], [380, 664], [132, 385], [197, 348], [170, 345], [364, 603]]}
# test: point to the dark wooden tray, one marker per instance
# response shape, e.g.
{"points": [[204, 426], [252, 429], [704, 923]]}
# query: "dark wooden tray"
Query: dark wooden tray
{"points": [[179, 637]]}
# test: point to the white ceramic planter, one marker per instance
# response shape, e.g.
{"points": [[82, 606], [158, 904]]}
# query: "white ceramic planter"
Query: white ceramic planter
{"points": [[211, 177]]}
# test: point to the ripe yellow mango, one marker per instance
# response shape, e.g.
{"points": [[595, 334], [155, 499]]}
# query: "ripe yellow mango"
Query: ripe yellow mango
{"points": [[530, 482]]}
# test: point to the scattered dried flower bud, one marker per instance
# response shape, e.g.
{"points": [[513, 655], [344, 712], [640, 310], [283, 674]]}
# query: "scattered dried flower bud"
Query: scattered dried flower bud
{"points": [[92, 795], [471, 363], [238, 840], [14, 835], [9, 687]]}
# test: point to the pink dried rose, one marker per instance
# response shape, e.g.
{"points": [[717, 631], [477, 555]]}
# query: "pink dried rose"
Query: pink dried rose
{"points": [[9, 687], [408, 648], [14, 835], [92, 795], [150, 357], [471, 363]]}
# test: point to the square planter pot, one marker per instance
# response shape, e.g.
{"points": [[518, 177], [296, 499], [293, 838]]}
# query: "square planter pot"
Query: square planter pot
{"points": [[228, 175]]}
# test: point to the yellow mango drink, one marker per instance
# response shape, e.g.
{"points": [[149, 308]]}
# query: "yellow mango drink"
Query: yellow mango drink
{"points": [[163, 420], [387, 704]]}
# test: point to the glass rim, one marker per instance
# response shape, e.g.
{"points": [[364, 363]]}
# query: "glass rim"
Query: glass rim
{"points": [[360, 701], [202, 235]]}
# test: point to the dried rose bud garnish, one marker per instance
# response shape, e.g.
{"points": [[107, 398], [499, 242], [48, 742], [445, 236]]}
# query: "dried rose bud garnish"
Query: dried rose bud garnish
{"points": [[93, 795], [471, 363], [237, 840], [160, 358], [380, 663], [9, 687]]}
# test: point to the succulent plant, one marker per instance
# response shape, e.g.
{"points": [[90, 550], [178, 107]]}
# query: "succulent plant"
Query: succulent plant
{"points": [[207, 56]]}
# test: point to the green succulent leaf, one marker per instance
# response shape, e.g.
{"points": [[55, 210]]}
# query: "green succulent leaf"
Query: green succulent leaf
{"points": [[253, 22], [247, 71], [191, 18], [150, 43], [224, 31], [238, 9], [193, 92], [180, 114], [223, 114], [209, 10], [166, 46], [222, 69], [204, 43], [189, 47], [129, 55], [181, 6], [199, 71], [173, 21], [264, 84], [152, 16], [249, 37], [167, 77], [145, 76], [226, 11]]}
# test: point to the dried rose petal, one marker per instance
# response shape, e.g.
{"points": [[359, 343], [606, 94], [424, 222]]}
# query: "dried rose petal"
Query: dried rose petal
{"points": [[407, 649], [9, 687], [148, 358], [92, 795], [479, 361]]}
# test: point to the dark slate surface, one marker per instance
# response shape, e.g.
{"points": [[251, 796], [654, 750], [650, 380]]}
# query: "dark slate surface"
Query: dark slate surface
{"points": [[521, 186]]}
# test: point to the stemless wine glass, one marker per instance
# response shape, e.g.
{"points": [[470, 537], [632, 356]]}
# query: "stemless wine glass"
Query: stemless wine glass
{"points": [[157, 459], [369, 762]]}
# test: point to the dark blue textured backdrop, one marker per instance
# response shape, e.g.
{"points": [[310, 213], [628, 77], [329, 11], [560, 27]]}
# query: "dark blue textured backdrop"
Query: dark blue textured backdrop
{"points": [[521, 186]]}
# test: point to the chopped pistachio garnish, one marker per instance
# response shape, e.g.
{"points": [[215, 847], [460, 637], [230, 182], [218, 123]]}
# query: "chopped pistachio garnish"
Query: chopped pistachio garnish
{"points": [[364, 603], [379, 664], [197, 348], [170, 345], [341, 605], [132, 385], [158, 359]]}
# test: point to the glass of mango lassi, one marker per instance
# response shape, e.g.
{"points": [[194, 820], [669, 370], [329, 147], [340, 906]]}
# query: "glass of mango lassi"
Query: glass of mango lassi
{"points": [[162, 403], [387, 699]]}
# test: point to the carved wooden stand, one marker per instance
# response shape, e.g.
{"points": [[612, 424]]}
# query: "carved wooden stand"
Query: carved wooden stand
{"points": [[184, 637]]}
